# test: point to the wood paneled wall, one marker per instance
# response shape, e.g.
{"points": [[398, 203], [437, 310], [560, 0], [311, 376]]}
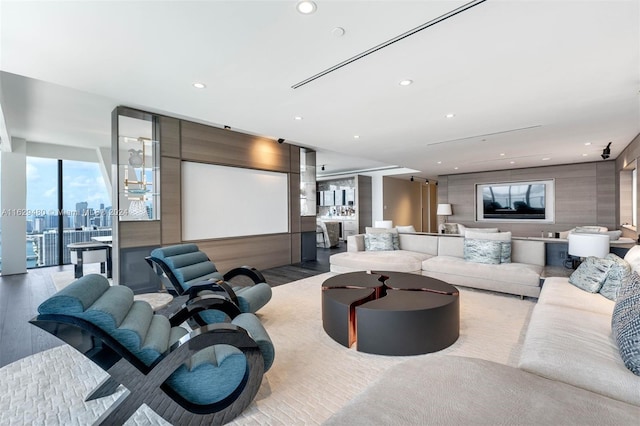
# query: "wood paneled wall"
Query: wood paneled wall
{"points": [[585, 195], [181, 141], [206, 144], [627, 161], [402, 201], [364, 194]]}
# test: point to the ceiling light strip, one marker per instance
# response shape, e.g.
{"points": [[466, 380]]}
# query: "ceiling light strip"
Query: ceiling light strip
{"points": [[426, 25]]}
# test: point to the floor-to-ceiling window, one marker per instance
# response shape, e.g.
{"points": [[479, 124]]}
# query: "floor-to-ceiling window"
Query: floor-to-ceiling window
{"points": [[67, 202]]}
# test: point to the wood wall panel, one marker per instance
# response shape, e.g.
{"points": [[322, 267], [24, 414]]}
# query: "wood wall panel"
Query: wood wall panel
{"points": [[606, 191], [218, 146], [294, 202], [261, 252], [402, 201], [139, 233], [583, 196], [308, 224], [170, 201], [364, 194], [169, 137], [296, 248]]}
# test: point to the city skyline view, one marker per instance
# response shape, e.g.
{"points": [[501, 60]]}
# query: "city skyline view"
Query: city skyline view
{"points": [[86, 206]]}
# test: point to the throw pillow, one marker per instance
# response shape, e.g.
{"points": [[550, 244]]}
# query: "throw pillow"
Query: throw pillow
{"points": [[625, 323], [482, 251], [450, 228], [591, 274], [392, 231], [590, 229], [378, 241], [619, 273], [503, 237], [613, 235]]}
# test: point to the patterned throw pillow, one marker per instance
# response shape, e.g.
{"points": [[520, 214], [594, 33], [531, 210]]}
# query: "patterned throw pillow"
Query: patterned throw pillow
{"points": [[619, 273], [450, 228], [378, 241], [625, 323], [482, 251], [591, 274], [503, 237], [392, 231]]}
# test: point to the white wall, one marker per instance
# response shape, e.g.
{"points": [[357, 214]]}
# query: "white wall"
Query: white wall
{"points": [[14, 203]]}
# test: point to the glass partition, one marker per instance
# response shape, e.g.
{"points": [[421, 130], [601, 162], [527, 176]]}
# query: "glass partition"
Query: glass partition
{"points": [[138, 169]]}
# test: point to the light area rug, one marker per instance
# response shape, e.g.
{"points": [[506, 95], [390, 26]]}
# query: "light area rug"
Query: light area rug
{"points": [[62, 279], [312, 377]]}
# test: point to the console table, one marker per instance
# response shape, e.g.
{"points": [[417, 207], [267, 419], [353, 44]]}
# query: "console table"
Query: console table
{"points": [[90, 252]]}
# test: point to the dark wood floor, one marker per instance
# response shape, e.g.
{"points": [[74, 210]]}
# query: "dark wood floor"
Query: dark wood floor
{"points": [[21, 294]]}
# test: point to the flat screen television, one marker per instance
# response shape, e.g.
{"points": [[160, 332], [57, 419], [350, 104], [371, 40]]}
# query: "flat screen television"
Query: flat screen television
{"points": [[516, 201]]}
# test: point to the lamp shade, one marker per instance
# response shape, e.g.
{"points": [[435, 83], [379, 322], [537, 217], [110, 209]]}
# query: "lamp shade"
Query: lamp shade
{"points": [[444, 210], [585, 245], [384, 224]]}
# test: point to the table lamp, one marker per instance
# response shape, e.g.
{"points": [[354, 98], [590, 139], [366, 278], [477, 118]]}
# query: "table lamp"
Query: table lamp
{"points": [[585, 245], [444, 210]]}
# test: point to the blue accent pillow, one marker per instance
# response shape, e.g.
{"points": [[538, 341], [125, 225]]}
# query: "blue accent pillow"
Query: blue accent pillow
{"points": [[625, 323], [482, 251], [591, 274]]}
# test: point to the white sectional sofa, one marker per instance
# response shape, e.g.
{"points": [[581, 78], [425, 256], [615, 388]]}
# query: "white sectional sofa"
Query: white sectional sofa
{"points": [[442, 257], [570, 373]]}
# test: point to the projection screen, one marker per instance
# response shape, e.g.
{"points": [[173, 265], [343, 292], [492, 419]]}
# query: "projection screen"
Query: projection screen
{"points": [[220, 202]]}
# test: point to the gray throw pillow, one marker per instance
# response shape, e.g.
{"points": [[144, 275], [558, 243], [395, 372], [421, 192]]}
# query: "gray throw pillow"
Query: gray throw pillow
{"points": [[619, 273], [591, 274], [378, 241], [482, 251], [625, 323]]}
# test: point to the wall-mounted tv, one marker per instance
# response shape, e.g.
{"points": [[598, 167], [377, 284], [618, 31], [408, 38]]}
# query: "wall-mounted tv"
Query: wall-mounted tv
{"points": [[532, 201]]}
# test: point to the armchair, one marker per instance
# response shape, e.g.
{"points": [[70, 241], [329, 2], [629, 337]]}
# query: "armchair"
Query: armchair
{"points": [[184, 269], [207, 376]]}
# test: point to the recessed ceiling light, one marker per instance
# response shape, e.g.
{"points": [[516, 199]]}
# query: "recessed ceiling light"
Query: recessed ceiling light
{"points": [[587, 143], [455, 168], [546, 159], [338, 31], [297, 117], [512, 162], [502, 154], [405, 82], [450, 115], [356, 136], [199, 85], [306, 7], [584, 155], [439, 162]]}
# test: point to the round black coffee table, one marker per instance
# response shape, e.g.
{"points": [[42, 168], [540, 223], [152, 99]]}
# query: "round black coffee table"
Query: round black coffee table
{"points": [[391, 313]]}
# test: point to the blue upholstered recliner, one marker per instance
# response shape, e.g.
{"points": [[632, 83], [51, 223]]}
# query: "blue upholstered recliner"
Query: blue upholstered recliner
{"points": [[211, 373], [187, 270]]}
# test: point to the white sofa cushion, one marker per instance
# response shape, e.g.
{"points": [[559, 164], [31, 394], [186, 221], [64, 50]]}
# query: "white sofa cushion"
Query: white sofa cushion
{"points": [[576, 347], [466, 273], [394, 260], [558, 291]]}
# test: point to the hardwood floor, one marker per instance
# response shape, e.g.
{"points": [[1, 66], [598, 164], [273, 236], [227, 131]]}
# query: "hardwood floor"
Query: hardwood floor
{"points": [[21, 294]]}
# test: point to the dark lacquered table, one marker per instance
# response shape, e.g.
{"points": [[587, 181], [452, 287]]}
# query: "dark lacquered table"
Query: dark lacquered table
{"points": [[391, 313]]}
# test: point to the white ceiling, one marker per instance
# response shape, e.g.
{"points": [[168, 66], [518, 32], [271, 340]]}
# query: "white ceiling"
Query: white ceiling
{"points": [[528, 79]]}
